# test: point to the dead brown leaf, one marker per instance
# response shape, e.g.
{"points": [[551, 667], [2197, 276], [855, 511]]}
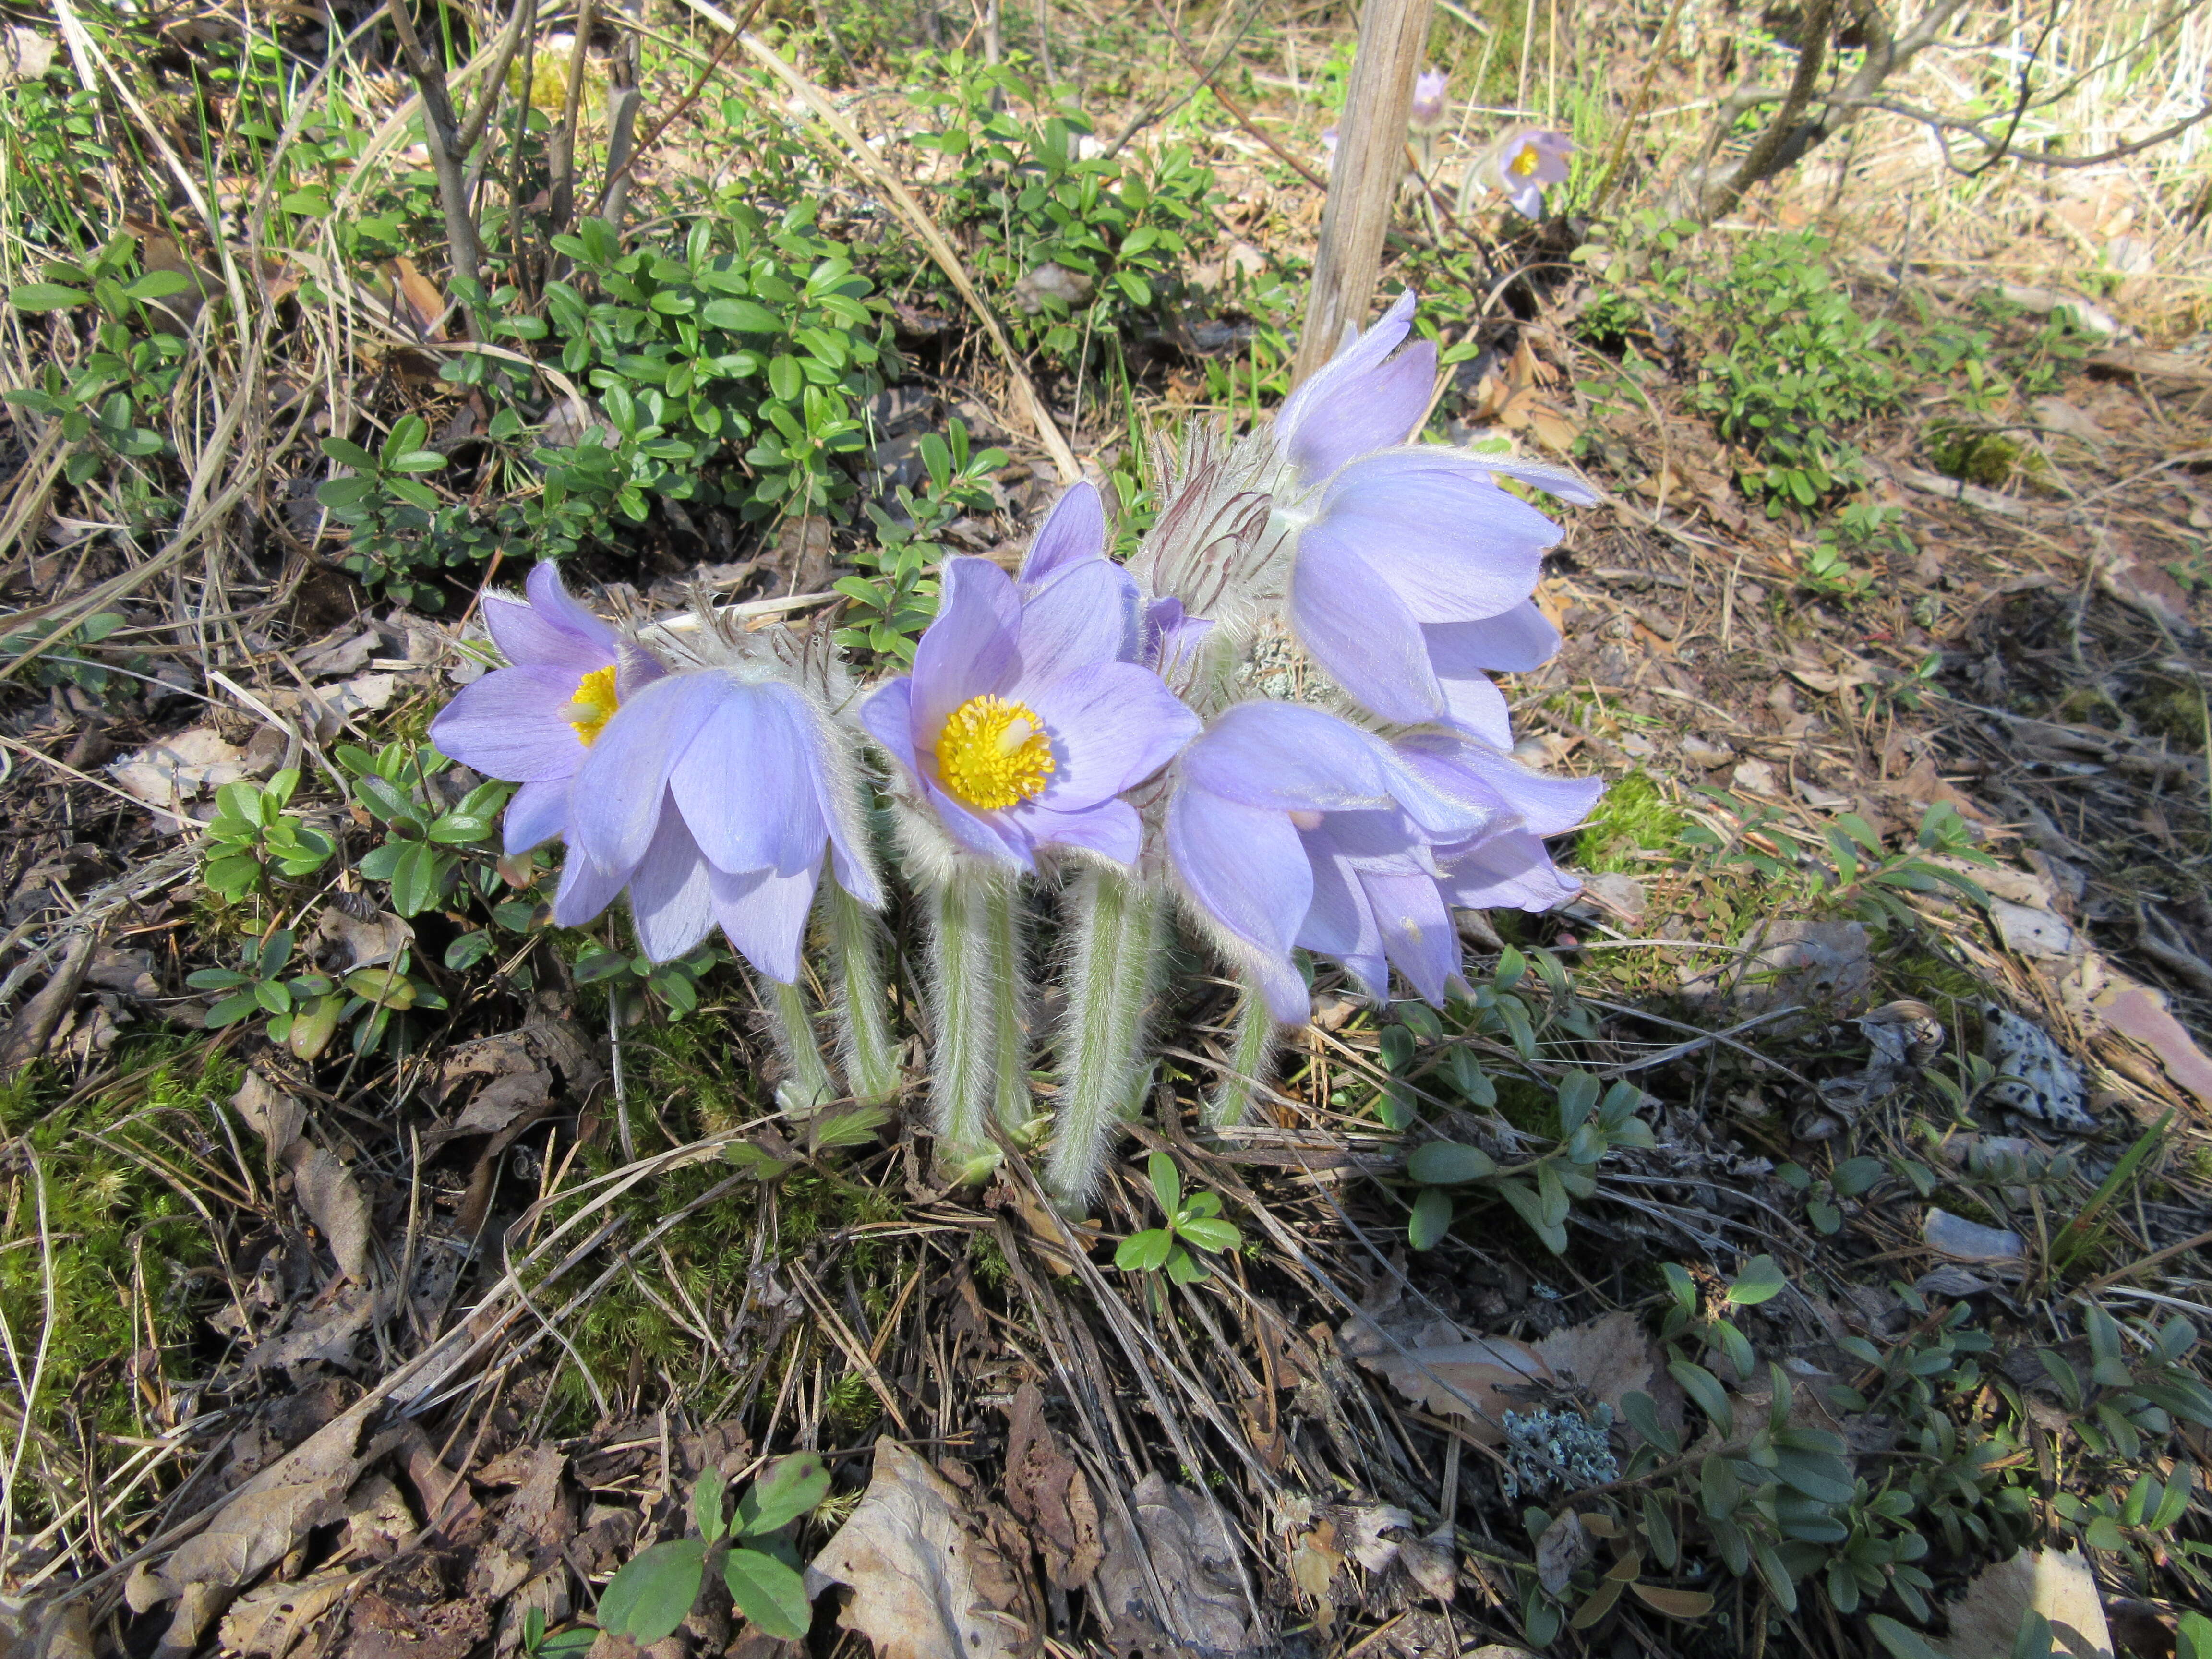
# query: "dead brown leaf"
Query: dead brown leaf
{"points": [[332, 1198], [1449, 1371], [277, 1116], [1048, 1490], [2135, 1010], [270, 1619], [1194, 1560], [927, 1583], [260, 1524]]}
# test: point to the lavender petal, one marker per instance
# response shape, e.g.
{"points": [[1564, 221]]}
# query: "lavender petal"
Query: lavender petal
{"points": [[1074, 530], [535, 814], [513, 724], [765, 916], [616, 807]]}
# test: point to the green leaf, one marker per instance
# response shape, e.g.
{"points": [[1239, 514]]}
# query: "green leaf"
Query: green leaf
{"points": [[231, 1010], [1702, 1386], [1469, 1079], [385, 800], [46, 296], [1209, 1234], [649, 1598], [785, 378], [1167, 1181], [740, 316], [2194, 1634], [1761, 1280], [1449, 1163], [1530, 1209], [707, 1503], [1578, 1092], [788, 1489], [159, 285], [1902, 1641], [770, 1595], [1432, 1218], [1144, 1252], [468, 948], [1641, 1412]]}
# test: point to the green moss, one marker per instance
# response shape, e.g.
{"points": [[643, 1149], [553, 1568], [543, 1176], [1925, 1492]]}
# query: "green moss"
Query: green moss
{"points": [[114, 1169], [1634, 815]]}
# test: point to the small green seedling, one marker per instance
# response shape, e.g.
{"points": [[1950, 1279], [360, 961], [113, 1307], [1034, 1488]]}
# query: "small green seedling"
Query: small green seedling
{"points": [[651, 1596], [1194, 1220], [252, 837]]}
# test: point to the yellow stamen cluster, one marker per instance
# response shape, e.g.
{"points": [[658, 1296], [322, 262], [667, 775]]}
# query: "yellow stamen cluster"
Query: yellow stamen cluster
{"points": [[992, 753], [595, 704], [1524, 162]]}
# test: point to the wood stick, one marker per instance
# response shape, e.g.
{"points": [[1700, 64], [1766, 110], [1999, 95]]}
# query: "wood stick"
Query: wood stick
{"points": [[1364, 185]]}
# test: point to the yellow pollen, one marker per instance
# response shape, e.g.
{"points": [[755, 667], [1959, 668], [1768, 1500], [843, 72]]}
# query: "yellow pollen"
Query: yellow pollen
{"points": [[595, 704], [992, 754], [1525, 162]]}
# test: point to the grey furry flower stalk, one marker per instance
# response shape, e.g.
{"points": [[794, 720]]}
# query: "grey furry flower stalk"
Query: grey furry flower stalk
{"points": [[1113, 970], [862, 1004], [979, 1065], [1251, 1059], [808, 1086]]}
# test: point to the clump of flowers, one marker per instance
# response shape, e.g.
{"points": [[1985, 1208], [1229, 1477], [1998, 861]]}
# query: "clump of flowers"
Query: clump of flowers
{"points": [[1094, 732]]}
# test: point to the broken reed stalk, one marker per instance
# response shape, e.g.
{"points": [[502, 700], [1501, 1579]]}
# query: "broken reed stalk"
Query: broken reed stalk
{"points": [[1362, 186], [1102, 1059], [862, 1001]]}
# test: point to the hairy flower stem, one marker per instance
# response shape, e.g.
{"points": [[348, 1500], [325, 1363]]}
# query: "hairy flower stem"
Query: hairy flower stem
{"points": [[806, 1082], [980, 1062], [1102, 1064], [862, 1005], [1252, 1061]]}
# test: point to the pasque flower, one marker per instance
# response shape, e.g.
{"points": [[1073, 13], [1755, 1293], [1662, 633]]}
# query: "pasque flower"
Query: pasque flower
{"points": [[1428, 109], [1413, 569], [1026, 716], [534, 723], [1530, 162], [1289, 827], [711, 796]]}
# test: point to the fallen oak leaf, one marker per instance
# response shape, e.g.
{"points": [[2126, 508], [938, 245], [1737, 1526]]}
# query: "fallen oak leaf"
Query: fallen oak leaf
{"points": [[927, 1581]]}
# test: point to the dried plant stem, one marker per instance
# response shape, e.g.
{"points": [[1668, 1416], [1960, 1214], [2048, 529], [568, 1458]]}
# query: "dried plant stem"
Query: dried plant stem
{"points": [[1250, 1061], [806, 1083], [1103, 1062], [979, 1061], [863, 1005]]}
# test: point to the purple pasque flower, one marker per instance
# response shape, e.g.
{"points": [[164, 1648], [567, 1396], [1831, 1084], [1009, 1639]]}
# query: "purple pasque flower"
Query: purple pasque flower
{"points": [[1411, 569], [1530, 162], [1428, 110], [1506, 866], [1267, 807], [1074, 533], [1290, 828], [1026, 716], [1412, 575], [1362, 399], [534, 723], [710, 795]]}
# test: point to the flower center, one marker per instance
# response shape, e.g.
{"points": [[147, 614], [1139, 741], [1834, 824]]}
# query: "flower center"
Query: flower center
{"points": [[992, 753], [1524, 162], [595, 704]]}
